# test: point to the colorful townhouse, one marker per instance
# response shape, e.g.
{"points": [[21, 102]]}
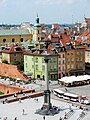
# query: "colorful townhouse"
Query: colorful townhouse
{"points": [[34, 64], [61, 61], [75, 59]]}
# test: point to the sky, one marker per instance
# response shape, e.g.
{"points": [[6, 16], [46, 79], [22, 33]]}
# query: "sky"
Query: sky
{"points": [[49, 11]]}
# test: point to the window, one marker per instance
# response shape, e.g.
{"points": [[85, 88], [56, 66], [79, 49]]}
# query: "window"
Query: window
{"points": [[32, 66], [72, 66], [72, 59], [63, 61], [76, 65], [81, 65], [25, 57], [4, 40], [68, 53], [59, 56], [63, 68], [51, 60], [71, 53], [54, 59], [68, 59], [36, 59], [15, 59], [51, 67], [77, 59], [59, 62], [43, 67], [38, 31], [81, 59], [55, 67], [21, 39], [59, 68], [68, 66], [26, 65], [81, 52], [36, 67], [32, 59], [63, 55], [77, 53], [43, 60], [13, 40], [14, 55]]}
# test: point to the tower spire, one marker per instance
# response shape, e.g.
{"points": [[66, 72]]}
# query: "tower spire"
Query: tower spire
{"points": [[37, 19]]}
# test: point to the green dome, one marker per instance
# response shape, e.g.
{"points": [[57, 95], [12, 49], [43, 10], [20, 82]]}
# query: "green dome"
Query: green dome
{"points": [[37, 25]]}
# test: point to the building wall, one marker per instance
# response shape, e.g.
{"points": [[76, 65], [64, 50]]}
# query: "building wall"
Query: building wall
{"points": [[35, 64], [11, 71], [16, 37], [61, 64], [70, 60], [87, 56], [75, 59], [9, 89], [13, 57], [80, 54], [6, 57], [37, 33]]}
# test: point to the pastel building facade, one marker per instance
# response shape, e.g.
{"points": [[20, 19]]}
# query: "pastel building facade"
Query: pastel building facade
{"points": [[35, 65]]}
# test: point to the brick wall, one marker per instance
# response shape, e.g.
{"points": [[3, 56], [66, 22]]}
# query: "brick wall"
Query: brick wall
{"points": [[10, 89], [11, 71]]}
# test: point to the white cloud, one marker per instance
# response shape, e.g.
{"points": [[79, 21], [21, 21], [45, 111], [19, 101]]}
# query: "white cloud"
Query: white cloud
{"points": [[3, 2], [54, 2]]}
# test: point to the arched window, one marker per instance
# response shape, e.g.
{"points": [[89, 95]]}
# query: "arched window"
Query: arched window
{"points": [[4, 40], [21, 39], [13, 40]]}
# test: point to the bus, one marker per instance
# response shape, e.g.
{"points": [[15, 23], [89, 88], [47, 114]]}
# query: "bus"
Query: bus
{"points": [[71, 97], [58, 93]]}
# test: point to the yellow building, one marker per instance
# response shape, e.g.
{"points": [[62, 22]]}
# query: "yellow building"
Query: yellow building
{"points": [[12, 36], [75, 59]]}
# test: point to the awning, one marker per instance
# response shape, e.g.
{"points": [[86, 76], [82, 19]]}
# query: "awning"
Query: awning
{"points": [[28, 74], [76, 71]]}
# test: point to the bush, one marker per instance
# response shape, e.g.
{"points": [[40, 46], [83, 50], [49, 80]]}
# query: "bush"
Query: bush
{"points": [[5, 61], [15, 63]]}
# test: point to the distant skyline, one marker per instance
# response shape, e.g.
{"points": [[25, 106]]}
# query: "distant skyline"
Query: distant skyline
{"points": [[49, 11]]}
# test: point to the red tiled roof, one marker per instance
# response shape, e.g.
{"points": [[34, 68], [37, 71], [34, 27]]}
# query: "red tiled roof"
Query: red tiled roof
{"points": [[85, 33], [79, 39], [88, 40], [65, 39], [12, 48]]}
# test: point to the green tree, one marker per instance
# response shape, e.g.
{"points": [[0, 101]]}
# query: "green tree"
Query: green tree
{"points": [[5, 61]]}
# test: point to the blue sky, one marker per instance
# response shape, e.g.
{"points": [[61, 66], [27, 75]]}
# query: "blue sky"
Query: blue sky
{"points": [[50, 11]]}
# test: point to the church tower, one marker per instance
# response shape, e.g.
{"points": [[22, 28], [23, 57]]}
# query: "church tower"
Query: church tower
{"points": [[37, 30]]}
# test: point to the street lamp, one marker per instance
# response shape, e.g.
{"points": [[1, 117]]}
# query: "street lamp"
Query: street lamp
{"points": [[47, 108]]}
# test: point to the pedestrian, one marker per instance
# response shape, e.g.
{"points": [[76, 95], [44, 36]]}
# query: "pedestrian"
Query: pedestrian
{"points": [[65, 89], [23, 111], [70, 108], [60, 118], [43, 117], [15, 118], [19, 100]]}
